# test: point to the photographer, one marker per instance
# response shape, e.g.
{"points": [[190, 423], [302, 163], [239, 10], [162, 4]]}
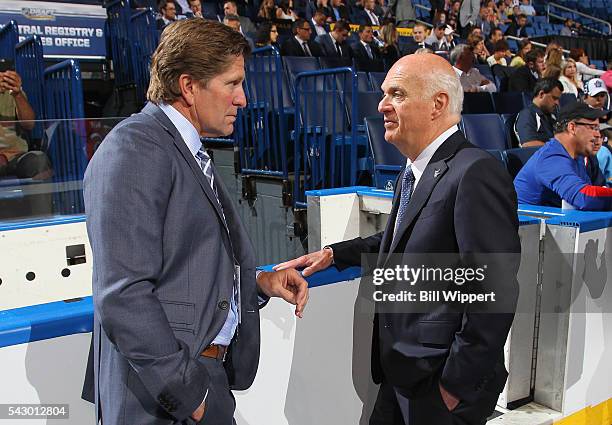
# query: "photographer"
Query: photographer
{"points": [[17, 114]]}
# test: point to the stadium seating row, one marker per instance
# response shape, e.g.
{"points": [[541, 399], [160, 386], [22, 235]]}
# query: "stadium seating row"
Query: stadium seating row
{"points": [[486, 131]]}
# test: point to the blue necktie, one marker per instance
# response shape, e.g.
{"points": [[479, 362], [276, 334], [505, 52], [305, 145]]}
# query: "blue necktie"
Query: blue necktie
{"points": [[407, 186]]}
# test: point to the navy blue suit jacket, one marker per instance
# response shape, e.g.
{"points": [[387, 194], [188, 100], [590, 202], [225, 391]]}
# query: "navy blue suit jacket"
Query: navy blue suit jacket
{"points": [[463, 198]]}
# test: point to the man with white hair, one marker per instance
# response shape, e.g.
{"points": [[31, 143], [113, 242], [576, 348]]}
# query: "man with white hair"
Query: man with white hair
{"points": [[436, 364], [462, 59]]}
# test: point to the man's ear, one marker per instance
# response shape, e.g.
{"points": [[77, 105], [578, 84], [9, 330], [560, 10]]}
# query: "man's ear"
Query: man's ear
{"points": [[186, 86], [441, 101]]}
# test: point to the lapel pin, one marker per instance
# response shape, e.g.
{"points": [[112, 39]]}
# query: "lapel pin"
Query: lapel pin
{"points": [[437, 172]]}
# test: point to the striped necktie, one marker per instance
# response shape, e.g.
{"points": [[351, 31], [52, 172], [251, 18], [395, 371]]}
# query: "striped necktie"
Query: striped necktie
{"points": [[207, 169]]}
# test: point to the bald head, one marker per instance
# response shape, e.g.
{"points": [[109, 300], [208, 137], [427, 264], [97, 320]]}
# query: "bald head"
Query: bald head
{"points": [[439, 77], [422, 99]]}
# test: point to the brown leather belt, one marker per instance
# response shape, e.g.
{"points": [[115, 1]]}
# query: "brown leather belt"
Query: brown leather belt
{"points": [[215, 351]]}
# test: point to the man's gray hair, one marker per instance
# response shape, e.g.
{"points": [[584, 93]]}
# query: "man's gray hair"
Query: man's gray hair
{"points": [[435, 82], [457, 52]]}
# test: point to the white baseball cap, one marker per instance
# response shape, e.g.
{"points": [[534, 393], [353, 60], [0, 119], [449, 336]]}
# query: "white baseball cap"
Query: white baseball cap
{"points": [[595, 86]]}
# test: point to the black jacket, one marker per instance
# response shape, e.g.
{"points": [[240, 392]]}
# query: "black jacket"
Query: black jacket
{"points": [[363, 61], [463, 197], [412, 46], [292, 48], [522, 80]]}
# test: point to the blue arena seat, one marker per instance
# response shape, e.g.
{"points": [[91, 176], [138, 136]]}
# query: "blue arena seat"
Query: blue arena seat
{"points": [[516, 158], [332, 62], [388, 161], [486, 71], [376, 79], [478, 103], [508, 103], [485, 131], [499, 155], [509, 120], [295, 64], [566, 99], [363, 82], [367, 106]]}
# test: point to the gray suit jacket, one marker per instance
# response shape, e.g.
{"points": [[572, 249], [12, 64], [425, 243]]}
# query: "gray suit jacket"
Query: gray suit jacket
{"points": [[469, 12], [329, 48], [163, 275], [403, 10]]}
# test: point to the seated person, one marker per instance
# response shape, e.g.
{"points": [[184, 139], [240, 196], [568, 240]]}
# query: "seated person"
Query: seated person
{"points": [[557, 170], [333, 44], [592, 162], [233, 21], [526, 76], [366, 53], [534, 124], [604, 157], [300, 44], [596, 93], [167, 14], [417, 41], [501, 50], [462, 59], [16, 114], [368, 15]]}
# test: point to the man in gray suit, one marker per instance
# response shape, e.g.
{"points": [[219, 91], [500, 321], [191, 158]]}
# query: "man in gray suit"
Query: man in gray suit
{"points": [[176, 296], [467, 15], [333, 44]]}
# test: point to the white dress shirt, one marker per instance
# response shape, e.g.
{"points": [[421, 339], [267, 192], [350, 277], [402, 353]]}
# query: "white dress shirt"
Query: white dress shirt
{"points": [[419, 164]]}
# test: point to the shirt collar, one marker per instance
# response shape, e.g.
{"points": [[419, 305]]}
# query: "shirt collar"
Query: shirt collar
{"points": [[364, 43], [187, 131], [419, 164], [299, 40]]}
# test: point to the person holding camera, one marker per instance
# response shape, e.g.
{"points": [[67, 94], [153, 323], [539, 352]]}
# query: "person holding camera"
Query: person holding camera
{"points": [[16, 114]]}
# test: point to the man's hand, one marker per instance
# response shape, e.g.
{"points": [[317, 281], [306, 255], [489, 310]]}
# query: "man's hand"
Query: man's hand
{"points": [[312, 262], [449, 400], [10, 81], [286, 284], [199, 412]]}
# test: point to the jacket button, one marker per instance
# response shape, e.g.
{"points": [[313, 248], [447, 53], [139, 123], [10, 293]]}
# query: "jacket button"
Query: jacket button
{"points": [[223, 305]]}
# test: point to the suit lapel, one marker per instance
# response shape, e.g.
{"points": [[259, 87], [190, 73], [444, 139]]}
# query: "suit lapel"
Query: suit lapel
{"points": [[154, 111], [432, 174]]}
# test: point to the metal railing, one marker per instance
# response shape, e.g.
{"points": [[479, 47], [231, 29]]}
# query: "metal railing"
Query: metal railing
{"points": [[262, 129], [29, 64], [325, 138], [604, 23], [66, 139], [145, 38], [535, 43], [9, 36], [118, 14]]}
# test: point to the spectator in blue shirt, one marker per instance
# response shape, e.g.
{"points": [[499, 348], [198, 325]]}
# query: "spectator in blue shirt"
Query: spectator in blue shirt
{"points": [[557, 170], [604, 157], [534, 124]]}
